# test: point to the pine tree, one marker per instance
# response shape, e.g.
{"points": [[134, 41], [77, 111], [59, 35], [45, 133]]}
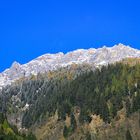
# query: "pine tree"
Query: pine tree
{"points": [[128, 107], [73, 123], [128, 135], [65, 131]]}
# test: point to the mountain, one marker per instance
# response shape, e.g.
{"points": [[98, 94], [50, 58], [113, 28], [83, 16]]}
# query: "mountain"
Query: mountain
{"points": [[89, 94], [77, 103], [50, 62]]}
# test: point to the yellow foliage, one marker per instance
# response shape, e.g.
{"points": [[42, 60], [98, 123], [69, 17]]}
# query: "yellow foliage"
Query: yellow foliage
{"points": [[95, 123], [9, 131], [67, 121]]}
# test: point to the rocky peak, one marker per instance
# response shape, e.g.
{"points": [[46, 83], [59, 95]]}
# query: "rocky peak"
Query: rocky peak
{"points": [[49, 62], [15, 65]]}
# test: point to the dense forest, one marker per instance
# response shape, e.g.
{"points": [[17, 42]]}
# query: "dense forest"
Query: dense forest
{"points": [[103, 91], [100, 92]]}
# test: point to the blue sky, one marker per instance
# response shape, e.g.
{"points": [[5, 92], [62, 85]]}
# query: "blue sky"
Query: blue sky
{"points": [[29, 28]]}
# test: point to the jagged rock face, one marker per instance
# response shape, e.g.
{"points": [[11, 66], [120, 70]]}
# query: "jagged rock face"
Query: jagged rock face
{"points": [[49, 62]]}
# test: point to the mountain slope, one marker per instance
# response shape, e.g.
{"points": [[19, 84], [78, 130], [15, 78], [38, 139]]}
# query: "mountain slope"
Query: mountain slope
{"points": [[106, 95], [84, 94], [50, 62], [9, 132]]}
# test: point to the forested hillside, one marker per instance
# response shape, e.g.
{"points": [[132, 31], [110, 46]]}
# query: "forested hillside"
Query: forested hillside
{"points": [[9, 132], [78, 98]]}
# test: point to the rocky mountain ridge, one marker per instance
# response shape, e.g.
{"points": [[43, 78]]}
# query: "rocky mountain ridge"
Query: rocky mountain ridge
{"points": [[50, 62]]}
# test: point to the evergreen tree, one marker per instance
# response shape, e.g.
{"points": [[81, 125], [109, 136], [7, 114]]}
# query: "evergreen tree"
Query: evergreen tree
{"points": [[65, 131], [73, 123], [128, 107], [128, 135]]}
